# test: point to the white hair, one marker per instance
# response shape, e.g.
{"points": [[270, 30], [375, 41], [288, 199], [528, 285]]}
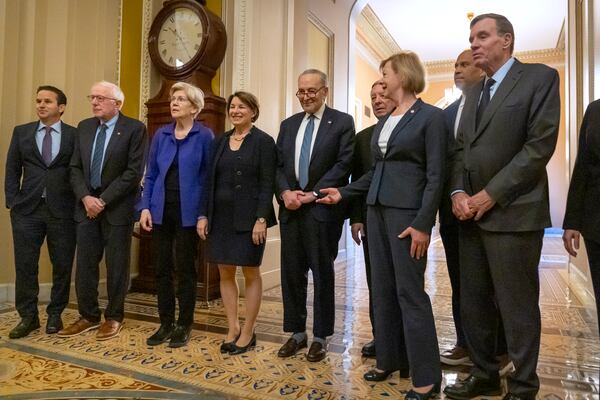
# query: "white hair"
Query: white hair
{"points": [[116, 91]]}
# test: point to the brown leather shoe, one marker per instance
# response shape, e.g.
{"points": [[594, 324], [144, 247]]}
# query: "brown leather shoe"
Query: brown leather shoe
{"points": [[82, 325], [317, 352], [291, 347], [109, 329]]}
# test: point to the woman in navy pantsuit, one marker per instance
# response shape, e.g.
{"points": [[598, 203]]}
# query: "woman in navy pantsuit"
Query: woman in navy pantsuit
{"points": [[404, 188]]}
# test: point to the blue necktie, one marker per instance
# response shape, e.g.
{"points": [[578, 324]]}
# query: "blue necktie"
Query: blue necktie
{"points": [[484, 101], [96, 169], [304, 163]]}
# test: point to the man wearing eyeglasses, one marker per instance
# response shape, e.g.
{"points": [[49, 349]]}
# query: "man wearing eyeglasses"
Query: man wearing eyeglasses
{"points": [[40, 199], [316, 148], [106, 169]]}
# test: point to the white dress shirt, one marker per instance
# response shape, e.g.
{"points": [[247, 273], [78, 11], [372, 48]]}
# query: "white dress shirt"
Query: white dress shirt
{"points": [[300, 136]]}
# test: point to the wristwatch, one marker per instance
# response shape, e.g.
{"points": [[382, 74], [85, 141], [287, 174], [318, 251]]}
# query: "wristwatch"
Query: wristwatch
{"points": [[262, 220]]}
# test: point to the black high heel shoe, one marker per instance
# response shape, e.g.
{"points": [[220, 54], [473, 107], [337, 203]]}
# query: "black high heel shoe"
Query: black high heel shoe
{"points": [[226, 347], [378, 376], [242, 349], [412, 395]]}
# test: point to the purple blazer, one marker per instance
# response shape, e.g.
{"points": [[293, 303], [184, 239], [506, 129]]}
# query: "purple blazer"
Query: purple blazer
{"points": [[194, 160]]}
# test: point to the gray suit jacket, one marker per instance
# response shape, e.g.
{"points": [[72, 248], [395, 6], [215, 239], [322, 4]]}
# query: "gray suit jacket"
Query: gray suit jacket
{"points": [[507, 154]]}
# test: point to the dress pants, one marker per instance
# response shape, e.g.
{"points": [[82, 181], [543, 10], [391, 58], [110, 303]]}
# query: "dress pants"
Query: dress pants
{"points": [[307, 243], [499, 279], [365, 246], [29, 232], [97, 238], [404, 326], [593, 252], [175, 249], [449, 233]]}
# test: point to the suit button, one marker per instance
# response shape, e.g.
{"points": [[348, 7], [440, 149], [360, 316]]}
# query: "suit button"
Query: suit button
{"points": [[239, 173], [239, 157], [238, 187]]}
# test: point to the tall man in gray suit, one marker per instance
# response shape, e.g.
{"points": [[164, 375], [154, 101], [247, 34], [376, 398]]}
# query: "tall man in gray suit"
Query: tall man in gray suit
{"points": [[106, 170], [506, 137], [316, 152], [41, 203]]}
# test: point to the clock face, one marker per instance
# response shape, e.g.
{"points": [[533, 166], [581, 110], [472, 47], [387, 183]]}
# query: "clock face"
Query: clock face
{"points": [[180, 37]]}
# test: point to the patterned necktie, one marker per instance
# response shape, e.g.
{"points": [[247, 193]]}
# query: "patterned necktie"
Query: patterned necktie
{"points": [[96, 169], [305, 152], [485, 99], [47, 146]]}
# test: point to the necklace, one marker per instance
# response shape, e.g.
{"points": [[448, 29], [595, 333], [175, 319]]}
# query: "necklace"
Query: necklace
{"points": [[241, 137]]}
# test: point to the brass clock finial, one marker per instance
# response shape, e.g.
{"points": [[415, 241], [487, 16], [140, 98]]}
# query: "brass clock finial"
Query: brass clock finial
{"points": [[470, 15]]}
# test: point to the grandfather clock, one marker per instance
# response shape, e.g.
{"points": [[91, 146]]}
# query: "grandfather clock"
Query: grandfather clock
{"points": [[187, 43]]}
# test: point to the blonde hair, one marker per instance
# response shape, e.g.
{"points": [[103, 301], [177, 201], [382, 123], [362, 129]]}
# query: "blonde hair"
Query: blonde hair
{"points": [[194, 94], [412, 72]]}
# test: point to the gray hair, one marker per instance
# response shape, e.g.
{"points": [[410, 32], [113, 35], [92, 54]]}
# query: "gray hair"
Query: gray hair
{"points": [[503, 26], [322, 75], [194, 94], [116, 91]]}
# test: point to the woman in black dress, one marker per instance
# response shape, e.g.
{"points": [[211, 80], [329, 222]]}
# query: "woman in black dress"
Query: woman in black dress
{"points": [[240, 209]]}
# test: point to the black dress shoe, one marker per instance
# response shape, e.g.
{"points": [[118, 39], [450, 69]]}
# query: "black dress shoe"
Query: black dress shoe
{"points": [[317, 352], [163, 334], [412, 395], [377, 376], [25, 327], [180, 336], [226, 347], [512, 396], [368, 350], [291, 347], [473, 387], [242, 349], [54, 324]]}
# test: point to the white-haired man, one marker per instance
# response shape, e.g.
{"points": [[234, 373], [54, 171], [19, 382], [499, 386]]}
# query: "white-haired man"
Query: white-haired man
{"points": [[106, 170]]}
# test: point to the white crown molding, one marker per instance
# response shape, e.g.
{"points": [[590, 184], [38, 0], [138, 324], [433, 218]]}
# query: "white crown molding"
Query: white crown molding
{"points": [[373, 34]]}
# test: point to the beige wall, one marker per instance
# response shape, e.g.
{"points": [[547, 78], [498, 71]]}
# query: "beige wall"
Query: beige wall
{"points": [[66, 43], [366, 75]]}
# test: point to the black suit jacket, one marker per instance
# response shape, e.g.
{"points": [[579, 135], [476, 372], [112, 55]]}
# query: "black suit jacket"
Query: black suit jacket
{"points": [[362, 161], [583, 213], [254, 179], [507, 153], [446, 215], [330, 160], [121, 171], [24, 161], [410, 174]]}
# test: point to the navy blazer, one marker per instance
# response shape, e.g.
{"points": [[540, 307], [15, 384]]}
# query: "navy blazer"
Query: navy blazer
{"points": [[330, 160], [121, 171], [410, 174], [194, 161], [27, 174], [583, 213], [253, 177]]}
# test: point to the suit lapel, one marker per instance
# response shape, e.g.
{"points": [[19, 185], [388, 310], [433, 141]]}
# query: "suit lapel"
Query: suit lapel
{"points": [[375, 137], [115, 138], [33, 142], [403, 121], [324, 126], [506, 86], [294, 127], [63, 143]]}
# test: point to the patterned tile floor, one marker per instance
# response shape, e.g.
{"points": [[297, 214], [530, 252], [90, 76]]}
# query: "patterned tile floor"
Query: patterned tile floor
{"points": [[46, 367]]}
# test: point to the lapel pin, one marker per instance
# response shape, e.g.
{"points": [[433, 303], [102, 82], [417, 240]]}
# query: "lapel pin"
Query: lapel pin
{"points": [[412, 111], [328, 122], [118, 133]]}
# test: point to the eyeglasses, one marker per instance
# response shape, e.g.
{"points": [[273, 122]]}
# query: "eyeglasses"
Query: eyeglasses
{"points": [[310, 93], [179, 99], [99, 99]]}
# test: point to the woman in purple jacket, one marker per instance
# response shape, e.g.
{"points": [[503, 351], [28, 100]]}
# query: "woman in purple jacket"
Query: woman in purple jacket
{"points": [[173, 205]]}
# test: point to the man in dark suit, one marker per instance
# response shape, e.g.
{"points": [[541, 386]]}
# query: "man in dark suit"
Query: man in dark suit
{"points": [[316, 152], [106, 169], [582, 216], [506, 137], [362, 162], [41, 202]]}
